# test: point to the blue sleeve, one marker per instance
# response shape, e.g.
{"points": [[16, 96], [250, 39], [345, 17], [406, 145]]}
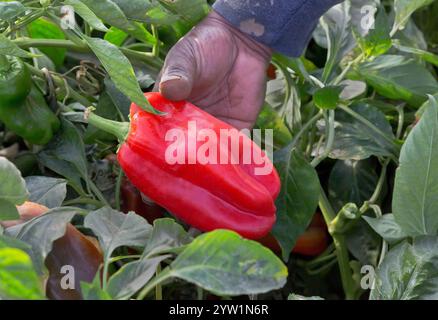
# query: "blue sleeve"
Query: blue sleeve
{"points": [[285, 26]]}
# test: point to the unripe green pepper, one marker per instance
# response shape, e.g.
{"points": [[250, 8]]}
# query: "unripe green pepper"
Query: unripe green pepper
{"points": [[32, 119], [15, 80]]}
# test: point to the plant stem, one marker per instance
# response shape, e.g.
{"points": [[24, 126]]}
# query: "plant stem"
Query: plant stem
{"points": [[60, 82], [146, 57], [378, 189], [106, 264], [306, 127], [156, 47], [163, 276], [115, 259], [158, 288], [118, 129], [341, 247], [98, 193], [330, 140]]}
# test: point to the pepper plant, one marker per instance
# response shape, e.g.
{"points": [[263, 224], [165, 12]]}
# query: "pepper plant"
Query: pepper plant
{"points": [[355, 125]]}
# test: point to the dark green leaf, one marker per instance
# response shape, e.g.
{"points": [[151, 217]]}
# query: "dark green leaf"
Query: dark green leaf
{"points": [[49, 192], [387, 228], [404, 9], [12, 186], [42, 231], [298, 198], [65, 155], [133, 276], [120, 70], [166, 235], [7, 47], [10, 10], [225, 264], [8, 211], [115, 229], [351, 181], [409, 272], [86, 14], [378, 39], [416, 184], [357, 140], [327, 97], [391, 76]]}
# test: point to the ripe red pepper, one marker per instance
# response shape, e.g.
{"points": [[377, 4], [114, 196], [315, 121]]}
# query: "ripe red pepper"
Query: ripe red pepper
{"points": [[206, 196]]}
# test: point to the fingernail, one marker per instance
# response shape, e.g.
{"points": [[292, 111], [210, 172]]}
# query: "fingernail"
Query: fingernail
{"points": [[166, 78]]}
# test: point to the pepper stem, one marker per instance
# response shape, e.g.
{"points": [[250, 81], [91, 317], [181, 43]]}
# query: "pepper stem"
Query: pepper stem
{"points": [[118, 129]]}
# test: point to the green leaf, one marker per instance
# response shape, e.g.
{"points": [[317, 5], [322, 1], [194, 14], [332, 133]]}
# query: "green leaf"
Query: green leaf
{"points": [[404, 9], [7, 47], [225, 264], [358, 140], [136, 9], [363, 243], [12, 186], [8, 211], [120, 71], [93, 291], [111, 13], [82, 10], [409, 272], [422, 54], [391, 77], [133, 276], [378, 39], [166, 235], [48, 191], [298, 198], [106, 109], [115, 36], [336, 24], [387, 228], [18, 279], [269, 119], [191, 11], [42, 231], [416, 183], [45, 29], [115, 229], [10, 10], [351, 181], [327, 97], [65, 155]]}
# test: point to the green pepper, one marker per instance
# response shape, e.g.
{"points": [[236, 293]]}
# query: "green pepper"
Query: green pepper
{"points": [[23, 108], [15, 81], [32, 119]]}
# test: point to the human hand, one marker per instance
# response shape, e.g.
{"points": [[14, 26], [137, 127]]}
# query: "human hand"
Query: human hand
{"points": [[219, 69]]}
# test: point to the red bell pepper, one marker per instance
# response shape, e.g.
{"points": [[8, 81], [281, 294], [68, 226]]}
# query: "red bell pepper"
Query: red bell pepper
{"points": [[207, 196]]}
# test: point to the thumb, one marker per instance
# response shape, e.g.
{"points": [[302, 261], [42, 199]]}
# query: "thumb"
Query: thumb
{"points": [[178, 74]]}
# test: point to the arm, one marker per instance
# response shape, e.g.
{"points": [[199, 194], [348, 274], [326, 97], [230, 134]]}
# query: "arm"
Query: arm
{"points": [[283, 25]]}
